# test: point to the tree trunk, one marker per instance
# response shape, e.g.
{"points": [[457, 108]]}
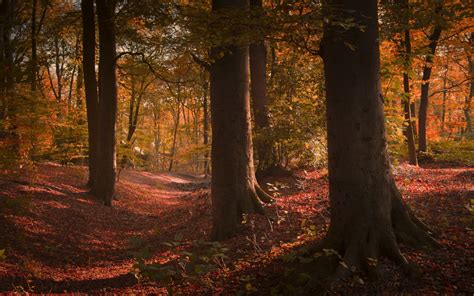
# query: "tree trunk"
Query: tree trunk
{"points": [[468, 102], [425, 84], [258, 89], [90, 86], [105, 179], [34, 59], [368, 215], [6, 58], [406, 102], [79, 85], [175, 130], [445, 95], [9, 107], [205, 111], [3, 95], [234, 189]]}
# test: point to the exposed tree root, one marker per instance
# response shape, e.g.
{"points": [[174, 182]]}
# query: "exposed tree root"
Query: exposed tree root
{"points": [[249, 201], [262, 195], [356, 249]]}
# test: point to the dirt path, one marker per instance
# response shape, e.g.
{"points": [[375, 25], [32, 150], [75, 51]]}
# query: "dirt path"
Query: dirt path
{"points": [[56, 233]]}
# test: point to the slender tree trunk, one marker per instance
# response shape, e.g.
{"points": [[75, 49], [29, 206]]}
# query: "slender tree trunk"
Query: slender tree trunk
{"points": [[205, 119], [468, 102], [156, 134], [90, 86], [105, 179], [34, 59], [425, 84], [71, 85], [79, 85], [234, 189], [368, 215], [57, 67], [445, 95], [175, 133], [406, 102]]}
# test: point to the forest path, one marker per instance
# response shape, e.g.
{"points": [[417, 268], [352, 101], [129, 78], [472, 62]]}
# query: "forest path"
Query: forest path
{"points": [[57, 237], [54, 231]]}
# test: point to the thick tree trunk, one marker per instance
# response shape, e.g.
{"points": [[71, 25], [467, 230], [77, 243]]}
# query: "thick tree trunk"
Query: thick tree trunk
{"points": [[368, 216], [9, 107], [406, 102], [3, 95], [105, 179], [258, 90], [425, 84], [6, 11], [90, 85], [234, 189]]}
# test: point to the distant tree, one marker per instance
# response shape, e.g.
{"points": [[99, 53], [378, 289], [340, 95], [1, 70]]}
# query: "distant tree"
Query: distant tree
{"points": [[90, 85], [425, 82], [406, 100], [234, 189], [368, 216], [468, 102], [104, 185], [260, 101], [34, 58]]}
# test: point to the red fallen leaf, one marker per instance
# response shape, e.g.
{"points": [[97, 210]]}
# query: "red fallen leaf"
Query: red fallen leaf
{"points": [[93, 240]]}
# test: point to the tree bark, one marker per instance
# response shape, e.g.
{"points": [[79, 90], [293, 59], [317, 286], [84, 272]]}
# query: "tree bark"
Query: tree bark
{"points": [[105, 179], [175, 130], [258, 90], [368, 215], [7, 81], [425, 83], [6, 59], [3, 26], [90, 86], [234, 189], [34, 59], [205, 111], [445, 94], [468, 102], [406, 102]]}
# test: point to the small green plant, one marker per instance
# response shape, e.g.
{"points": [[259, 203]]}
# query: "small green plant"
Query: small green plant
{"points": [[460, 152], [183, 266]]}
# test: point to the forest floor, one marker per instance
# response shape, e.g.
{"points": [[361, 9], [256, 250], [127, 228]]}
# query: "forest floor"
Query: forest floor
{"points": [[57, 238]]}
